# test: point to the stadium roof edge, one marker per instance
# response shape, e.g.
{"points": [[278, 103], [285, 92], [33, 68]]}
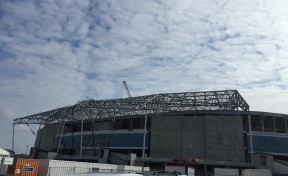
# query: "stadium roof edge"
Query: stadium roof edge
{"points": [[140, 105]]}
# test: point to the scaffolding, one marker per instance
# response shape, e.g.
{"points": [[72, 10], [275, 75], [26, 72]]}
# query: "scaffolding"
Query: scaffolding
{"points": [[227, 100]]}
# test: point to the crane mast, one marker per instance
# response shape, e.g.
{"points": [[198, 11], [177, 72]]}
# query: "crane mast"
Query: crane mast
{"points": [[31, 129], [127, 89]]}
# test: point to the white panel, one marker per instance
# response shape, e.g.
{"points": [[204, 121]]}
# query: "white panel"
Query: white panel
{"points": [[130, 169], [191, 171], [7, 160], [256, 172], [226, 172], [146, 169], [64, 168]]}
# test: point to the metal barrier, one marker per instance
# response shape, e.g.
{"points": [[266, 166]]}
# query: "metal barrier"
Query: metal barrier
{"points": [[64, 171]]}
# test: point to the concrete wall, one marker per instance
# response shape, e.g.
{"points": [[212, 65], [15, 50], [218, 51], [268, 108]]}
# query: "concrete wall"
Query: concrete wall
{"points": [[178, 137], [204, 137], [224, 138], [193, 137], [268, 164], [166, 137], [45, 136]]}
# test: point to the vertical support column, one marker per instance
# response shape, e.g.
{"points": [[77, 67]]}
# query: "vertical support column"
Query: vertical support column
{"points": [[286, 127], [274, 124], [145, 126], [93, 135], [81, 138], [13, 138], [144, 138], [59, 142], [2, 165], [72, 135], [205, 135], [262, 123], [181, 138], [250, 137]]}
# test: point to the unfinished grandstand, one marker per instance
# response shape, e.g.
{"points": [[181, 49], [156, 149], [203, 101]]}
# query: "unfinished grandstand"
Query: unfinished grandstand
{"points": [[204, 129]]}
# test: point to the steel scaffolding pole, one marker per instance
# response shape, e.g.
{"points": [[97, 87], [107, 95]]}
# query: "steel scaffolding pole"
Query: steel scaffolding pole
{"points": [[13, 133], [60, 139], [81, 138], [250, 137], [145, 126]]}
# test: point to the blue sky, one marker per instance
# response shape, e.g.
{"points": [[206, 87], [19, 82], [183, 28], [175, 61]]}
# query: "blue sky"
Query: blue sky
{"points": [[55, 53]]}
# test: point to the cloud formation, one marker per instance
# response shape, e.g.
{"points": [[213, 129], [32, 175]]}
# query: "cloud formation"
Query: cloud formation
{"points": [[55, 53]]}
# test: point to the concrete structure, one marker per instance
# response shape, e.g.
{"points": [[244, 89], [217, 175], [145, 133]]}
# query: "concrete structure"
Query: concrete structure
{"points": [[190, 136], [203, 129]]}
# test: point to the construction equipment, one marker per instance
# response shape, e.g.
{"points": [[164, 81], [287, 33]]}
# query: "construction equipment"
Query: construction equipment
{"points": [[127, 89], [31, 129]]}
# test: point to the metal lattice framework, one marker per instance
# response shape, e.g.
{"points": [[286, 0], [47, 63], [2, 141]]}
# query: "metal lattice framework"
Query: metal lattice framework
{"points": [[228, 100]]}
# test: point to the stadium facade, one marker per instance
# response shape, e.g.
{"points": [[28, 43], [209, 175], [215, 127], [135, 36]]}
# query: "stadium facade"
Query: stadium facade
{"points": [[205, 129]]}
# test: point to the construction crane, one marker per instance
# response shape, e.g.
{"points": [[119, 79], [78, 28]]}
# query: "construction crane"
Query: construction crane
{"points": [[31, 129], [127, 89]]}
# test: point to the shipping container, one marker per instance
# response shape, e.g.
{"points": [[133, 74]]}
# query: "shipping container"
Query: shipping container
{"points": [[130, 169], [256, 172], [226, 172], [107, 174], [24, 167], [103, 167], [63, 168], [189, 171]]}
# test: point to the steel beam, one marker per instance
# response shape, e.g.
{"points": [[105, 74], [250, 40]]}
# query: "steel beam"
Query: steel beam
{"points": [[227, 100]]}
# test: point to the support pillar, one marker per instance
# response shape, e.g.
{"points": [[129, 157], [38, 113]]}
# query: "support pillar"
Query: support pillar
{"points": [[93, 135], [81, 138], [145, 126], [250, 138], [59, 142], [2, 165], [13, 133], [286, 127], [145, 129], [262, 123], [274, 124]]}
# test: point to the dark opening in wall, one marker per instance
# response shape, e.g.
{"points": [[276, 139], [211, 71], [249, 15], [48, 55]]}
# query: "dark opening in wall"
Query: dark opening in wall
{"points": [[280, 125], [87, 126], [268, 124], [256, 123], [245, 123], [126, 124], [137, 123]]}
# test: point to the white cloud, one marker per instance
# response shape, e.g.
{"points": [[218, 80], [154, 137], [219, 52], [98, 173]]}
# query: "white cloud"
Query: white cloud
{"points": [[267, 99], [54, 53]]}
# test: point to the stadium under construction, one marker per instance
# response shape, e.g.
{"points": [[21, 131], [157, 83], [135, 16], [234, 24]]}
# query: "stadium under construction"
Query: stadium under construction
{"points": [[203, 129]]}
